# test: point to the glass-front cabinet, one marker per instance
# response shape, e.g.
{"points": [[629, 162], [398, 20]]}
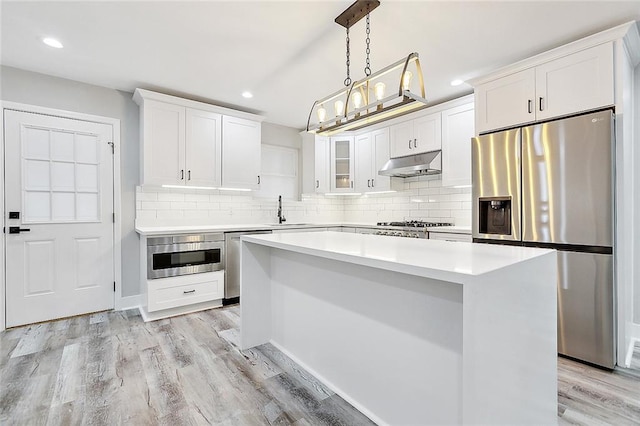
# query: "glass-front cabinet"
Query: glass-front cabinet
{"points": [[342, 164]]}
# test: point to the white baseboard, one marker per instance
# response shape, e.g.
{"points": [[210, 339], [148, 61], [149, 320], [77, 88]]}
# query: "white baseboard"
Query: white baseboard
{"points": [[128, 302], [634, 334]]}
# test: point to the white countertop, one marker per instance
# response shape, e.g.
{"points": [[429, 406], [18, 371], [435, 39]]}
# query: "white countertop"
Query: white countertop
{"points": [[456, 262], [188, 229]]}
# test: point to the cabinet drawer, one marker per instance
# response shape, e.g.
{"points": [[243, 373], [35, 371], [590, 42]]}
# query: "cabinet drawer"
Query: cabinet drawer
{"points": [[172, 292], [446, 236]]}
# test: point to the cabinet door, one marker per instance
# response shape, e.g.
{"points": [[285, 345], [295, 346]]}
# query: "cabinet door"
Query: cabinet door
{"points": [[401, 137], [164, 143], [457, 131], [342, 166], [575, 83], [240, 153], [322, 167], [427, 133], [203, 148], [506, 102], [380, 143], [363, 163]]}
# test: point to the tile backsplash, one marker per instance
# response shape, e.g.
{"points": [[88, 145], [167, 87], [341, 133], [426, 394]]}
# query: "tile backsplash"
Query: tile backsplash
{"points": [[423, 198]]}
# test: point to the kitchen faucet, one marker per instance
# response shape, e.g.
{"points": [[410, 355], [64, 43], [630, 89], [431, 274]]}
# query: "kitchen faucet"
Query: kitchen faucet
{"points": [[281, 217]]}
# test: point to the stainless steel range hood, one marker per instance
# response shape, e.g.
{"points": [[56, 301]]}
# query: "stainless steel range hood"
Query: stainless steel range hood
{"points": [[428, 163]]}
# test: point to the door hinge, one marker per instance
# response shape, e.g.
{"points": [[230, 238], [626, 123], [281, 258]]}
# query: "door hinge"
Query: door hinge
{"points": [[113, 147], [114, 286]]}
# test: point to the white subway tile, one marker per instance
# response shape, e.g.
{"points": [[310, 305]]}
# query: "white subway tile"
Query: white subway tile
{"points": [[196, 197], [170, 196], [156, 205], [170, 214], [146, 196], [146, 214], [184, 205]]}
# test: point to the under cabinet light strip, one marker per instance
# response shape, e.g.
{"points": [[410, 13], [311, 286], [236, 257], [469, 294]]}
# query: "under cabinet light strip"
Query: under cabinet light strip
{"points": [[188, 187]]}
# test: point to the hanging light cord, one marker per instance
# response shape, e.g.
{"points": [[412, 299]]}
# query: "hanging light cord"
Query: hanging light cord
{"points": [[347, 81], [367, 68]]}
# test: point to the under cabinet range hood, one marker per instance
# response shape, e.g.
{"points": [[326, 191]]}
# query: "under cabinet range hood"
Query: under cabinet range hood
{"points": [[428, 163]]}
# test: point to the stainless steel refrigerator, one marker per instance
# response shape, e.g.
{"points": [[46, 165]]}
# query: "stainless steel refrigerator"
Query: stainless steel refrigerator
{"points": [[551, 185]]}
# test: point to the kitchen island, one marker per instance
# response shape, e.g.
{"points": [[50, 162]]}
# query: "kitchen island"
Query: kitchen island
{"points": [[410, 331]]}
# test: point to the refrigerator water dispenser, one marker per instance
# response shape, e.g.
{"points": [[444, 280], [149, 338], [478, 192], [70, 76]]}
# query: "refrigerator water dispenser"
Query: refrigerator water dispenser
{"points": [[495, 215]]}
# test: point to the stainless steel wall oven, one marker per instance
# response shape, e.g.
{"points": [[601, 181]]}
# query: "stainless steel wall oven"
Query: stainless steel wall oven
{"points": [[184, 254]]}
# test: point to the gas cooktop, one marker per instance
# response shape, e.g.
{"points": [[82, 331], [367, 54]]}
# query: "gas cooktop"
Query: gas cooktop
{"points": [[414, 224]]}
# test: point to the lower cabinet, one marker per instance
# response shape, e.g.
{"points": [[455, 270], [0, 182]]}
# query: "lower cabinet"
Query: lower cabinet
{"points": [[166, 297], [450, 236]]}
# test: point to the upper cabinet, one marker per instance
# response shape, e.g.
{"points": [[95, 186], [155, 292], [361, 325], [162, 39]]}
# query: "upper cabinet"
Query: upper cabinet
{"points": [[415, 136], [573, 83], [457, 131], [241, 153], [342, 164], [371, 153], [195, 144], [316, 155]]}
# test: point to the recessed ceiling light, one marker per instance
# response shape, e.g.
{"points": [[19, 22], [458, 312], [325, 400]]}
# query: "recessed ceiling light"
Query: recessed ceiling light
{"points": [[52, 42], [247, 94], [456, 82]]}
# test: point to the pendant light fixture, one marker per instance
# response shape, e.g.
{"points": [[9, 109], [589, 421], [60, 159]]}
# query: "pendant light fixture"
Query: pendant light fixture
{"points": [[365, 102]]}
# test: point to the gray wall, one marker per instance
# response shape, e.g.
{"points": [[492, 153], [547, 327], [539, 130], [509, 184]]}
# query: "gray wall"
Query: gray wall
{"points": [[43, 90], [275, 134]]}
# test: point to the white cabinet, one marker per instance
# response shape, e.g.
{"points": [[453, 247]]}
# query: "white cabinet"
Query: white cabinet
{"points": [[457, 131], [507, 101], [450, 236], [183, 142], [241, 153], [342, 164], [371, 153], [203, 157], [168, 293], [574, 83], [415, 136], [321, 165], [180, 146]]}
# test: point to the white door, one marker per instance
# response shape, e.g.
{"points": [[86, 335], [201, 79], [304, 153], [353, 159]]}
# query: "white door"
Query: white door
{"points": [[457, 130], [203, 150], [59, 178], [380, 146], [507, 101], [164, 143], [427, 133], [574, 83], [321, 169], [363, 161], [401, 139], [241, 153]]}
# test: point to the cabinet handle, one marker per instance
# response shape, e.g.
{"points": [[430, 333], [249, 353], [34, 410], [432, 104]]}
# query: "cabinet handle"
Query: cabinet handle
{"points": [[368, 183], [258, 179], [317, 184], [409, 143], [352, 184], [189, 291], [373, 183], [189, 175], [415, 143], [541, 108], [182, 174], [529, 103]]}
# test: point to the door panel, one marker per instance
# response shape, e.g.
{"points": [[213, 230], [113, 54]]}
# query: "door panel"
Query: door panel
{"points": [[585, 307], [203, 148], [427, 133], [567, 181], [496, 173], [363, 161], [60, 176]]}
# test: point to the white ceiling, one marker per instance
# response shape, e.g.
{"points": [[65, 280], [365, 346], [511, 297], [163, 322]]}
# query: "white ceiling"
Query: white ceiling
{"points": [[287, 53]]}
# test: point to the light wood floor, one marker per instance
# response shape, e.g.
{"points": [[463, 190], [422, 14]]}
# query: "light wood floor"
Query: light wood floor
{"points": [[112, 368]]}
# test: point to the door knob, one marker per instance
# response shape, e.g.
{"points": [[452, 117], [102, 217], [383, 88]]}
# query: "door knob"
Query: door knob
{"points": [[17, 230]]}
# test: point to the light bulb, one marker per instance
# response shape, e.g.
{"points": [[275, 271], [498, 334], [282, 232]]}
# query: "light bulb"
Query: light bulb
{"points": [[339, 106], [356, 98], [378, 89], [406, 80], [322, 113]]}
